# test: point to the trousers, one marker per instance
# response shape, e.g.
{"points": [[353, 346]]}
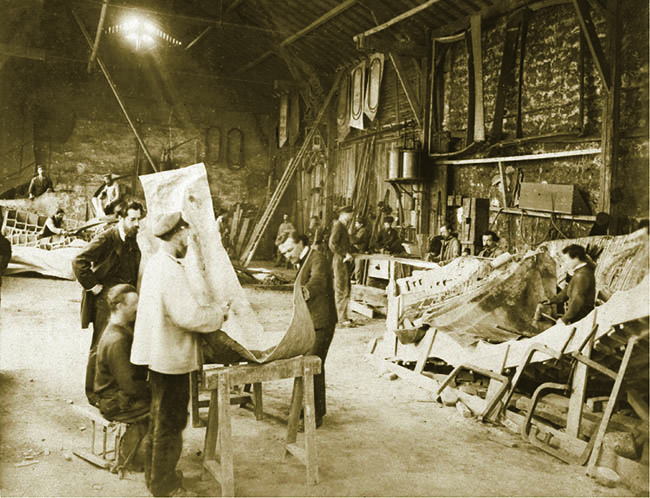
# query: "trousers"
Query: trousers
{"points": [[100, 320], [324, 338], [170, 395], [341, 274]]}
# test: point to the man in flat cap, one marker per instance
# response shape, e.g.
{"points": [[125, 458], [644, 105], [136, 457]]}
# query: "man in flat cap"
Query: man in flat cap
{"points": [[166, 341], [339, 244], [111, 258], [388, 239]]}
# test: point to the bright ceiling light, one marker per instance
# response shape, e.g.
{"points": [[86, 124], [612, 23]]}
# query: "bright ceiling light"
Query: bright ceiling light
{"points": [[142, 32]]}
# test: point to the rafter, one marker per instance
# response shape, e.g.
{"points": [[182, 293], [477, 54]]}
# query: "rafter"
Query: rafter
{"points": [[342, 7], [98, 35], [596, 49]]}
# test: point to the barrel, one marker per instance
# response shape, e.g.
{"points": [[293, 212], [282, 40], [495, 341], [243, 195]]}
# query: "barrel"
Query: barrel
{"points": [[394, 163], [410, 163]]}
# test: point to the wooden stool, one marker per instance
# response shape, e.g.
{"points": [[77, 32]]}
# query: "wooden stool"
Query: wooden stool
{"points": [[109, 454], [219, 381]]}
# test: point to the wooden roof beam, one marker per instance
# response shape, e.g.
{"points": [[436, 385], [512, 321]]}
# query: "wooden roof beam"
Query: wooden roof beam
{"points": [[342, 7], [98, 35], [596, 49], [233, 6], [397, 19], [384, 44]]}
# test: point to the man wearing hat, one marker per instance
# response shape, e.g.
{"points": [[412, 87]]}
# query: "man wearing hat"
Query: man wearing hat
{"points": [[107, 197], [166, 341], [339, 244], [388, 240], [111, 258]]}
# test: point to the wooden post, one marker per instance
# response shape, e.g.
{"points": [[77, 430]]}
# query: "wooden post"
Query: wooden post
{"points": [[611, 113], [479, 123], [98, 35], [110, 82]]}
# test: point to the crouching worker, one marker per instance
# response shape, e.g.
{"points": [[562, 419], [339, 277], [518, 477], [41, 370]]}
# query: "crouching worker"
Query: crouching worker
{"points": [[120, 386]]}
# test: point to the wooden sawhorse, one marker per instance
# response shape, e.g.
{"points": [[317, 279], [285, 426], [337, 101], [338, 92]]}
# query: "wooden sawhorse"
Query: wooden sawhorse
{"points": [[219, 380]]}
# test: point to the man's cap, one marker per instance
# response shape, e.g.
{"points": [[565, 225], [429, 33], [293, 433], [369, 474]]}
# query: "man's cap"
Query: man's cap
{"points": [[389, 219], [166, 222], [346, 209]]}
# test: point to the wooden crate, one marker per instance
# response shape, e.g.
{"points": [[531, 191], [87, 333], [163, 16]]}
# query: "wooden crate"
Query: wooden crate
{"points": [[565, 199]]}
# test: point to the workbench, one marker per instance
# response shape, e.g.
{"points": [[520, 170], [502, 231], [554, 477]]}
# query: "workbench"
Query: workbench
{"points": [[219, 380]]}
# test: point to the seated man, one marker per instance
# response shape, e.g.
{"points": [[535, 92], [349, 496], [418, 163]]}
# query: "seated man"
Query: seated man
{"points": [[580, 293], [450, 245], [388, 240], [123, 391], [53, 226], [107, 197], [490, 247]]}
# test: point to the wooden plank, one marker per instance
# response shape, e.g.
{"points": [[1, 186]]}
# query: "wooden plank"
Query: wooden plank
{"points": [[361, 308], [421, 381], [477, 55], [211, 431], [253, 373], [340, 8], [578, 392], [502, 185], [527, 157], [370, 295], [541, 214], [596, 49], [298, 452], [411, 95], [22, 52], [400, 47]]}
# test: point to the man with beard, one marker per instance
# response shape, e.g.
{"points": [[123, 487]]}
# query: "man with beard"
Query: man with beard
{"points": [[315, 279], [112, 258], [166, 341]]}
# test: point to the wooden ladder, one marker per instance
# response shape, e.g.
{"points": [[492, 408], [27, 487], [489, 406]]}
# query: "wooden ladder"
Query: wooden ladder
{"points": [[262, 225]]}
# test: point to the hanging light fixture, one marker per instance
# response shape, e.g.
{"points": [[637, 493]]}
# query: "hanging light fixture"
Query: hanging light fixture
{"points": [[142, 33]]}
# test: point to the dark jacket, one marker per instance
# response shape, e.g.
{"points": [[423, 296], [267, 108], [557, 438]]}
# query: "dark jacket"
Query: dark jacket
{"points": [[580, 294], [39, 187], [450, 248], [106, 260], [118, 382], [339, 242], [389, 240], [361, 239], [5, 254], [316, 276]]}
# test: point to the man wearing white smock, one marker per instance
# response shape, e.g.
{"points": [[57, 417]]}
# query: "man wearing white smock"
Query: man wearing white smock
{"points": [[166, 339]]}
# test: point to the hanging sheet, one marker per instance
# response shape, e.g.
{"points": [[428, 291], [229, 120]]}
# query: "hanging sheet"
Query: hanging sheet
{"points": [[343, 108], [284, 120], [358, 79], [207, 262], [375, 74]]}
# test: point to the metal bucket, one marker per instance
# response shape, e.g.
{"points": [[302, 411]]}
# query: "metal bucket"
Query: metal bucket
{"points": [[395, 163], [411, 164]]}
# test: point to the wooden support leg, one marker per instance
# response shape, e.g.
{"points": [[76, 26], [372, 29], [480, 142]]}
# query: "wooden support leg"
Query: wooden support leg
{"points": [[225, 437], [427, 344], [578, 392], [211, 431], [609, 410], [310, 428], [259, 408], [294, 411]]}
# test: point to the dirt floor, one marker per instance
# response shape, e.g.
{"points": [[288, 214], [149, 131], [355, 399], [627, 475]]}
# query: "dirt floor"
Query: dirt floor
{"points": [[380, 437]]}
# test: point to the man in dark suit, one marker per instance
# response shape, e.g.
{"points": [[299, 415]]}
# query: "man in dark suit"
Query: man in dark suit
{"points": [[315, 277], [339, 244], [580, 294], [111, 258]]}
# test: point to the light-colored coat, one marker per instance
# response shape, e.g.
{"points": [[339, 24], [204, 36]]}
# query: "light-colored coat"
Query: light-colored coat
{"points": [[168, 319]]}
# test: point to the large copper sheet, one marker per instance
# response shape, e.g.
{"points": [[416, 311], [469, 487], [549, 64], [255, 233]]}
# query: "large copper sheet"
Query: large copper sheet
{"points": [[187, 190]]}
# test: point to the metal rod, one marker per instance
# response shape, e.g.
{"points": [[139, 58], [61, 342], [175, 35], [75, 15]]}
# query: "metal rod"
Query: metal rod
{"points": [[201, 35], [107, 75], [98, 35]]}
